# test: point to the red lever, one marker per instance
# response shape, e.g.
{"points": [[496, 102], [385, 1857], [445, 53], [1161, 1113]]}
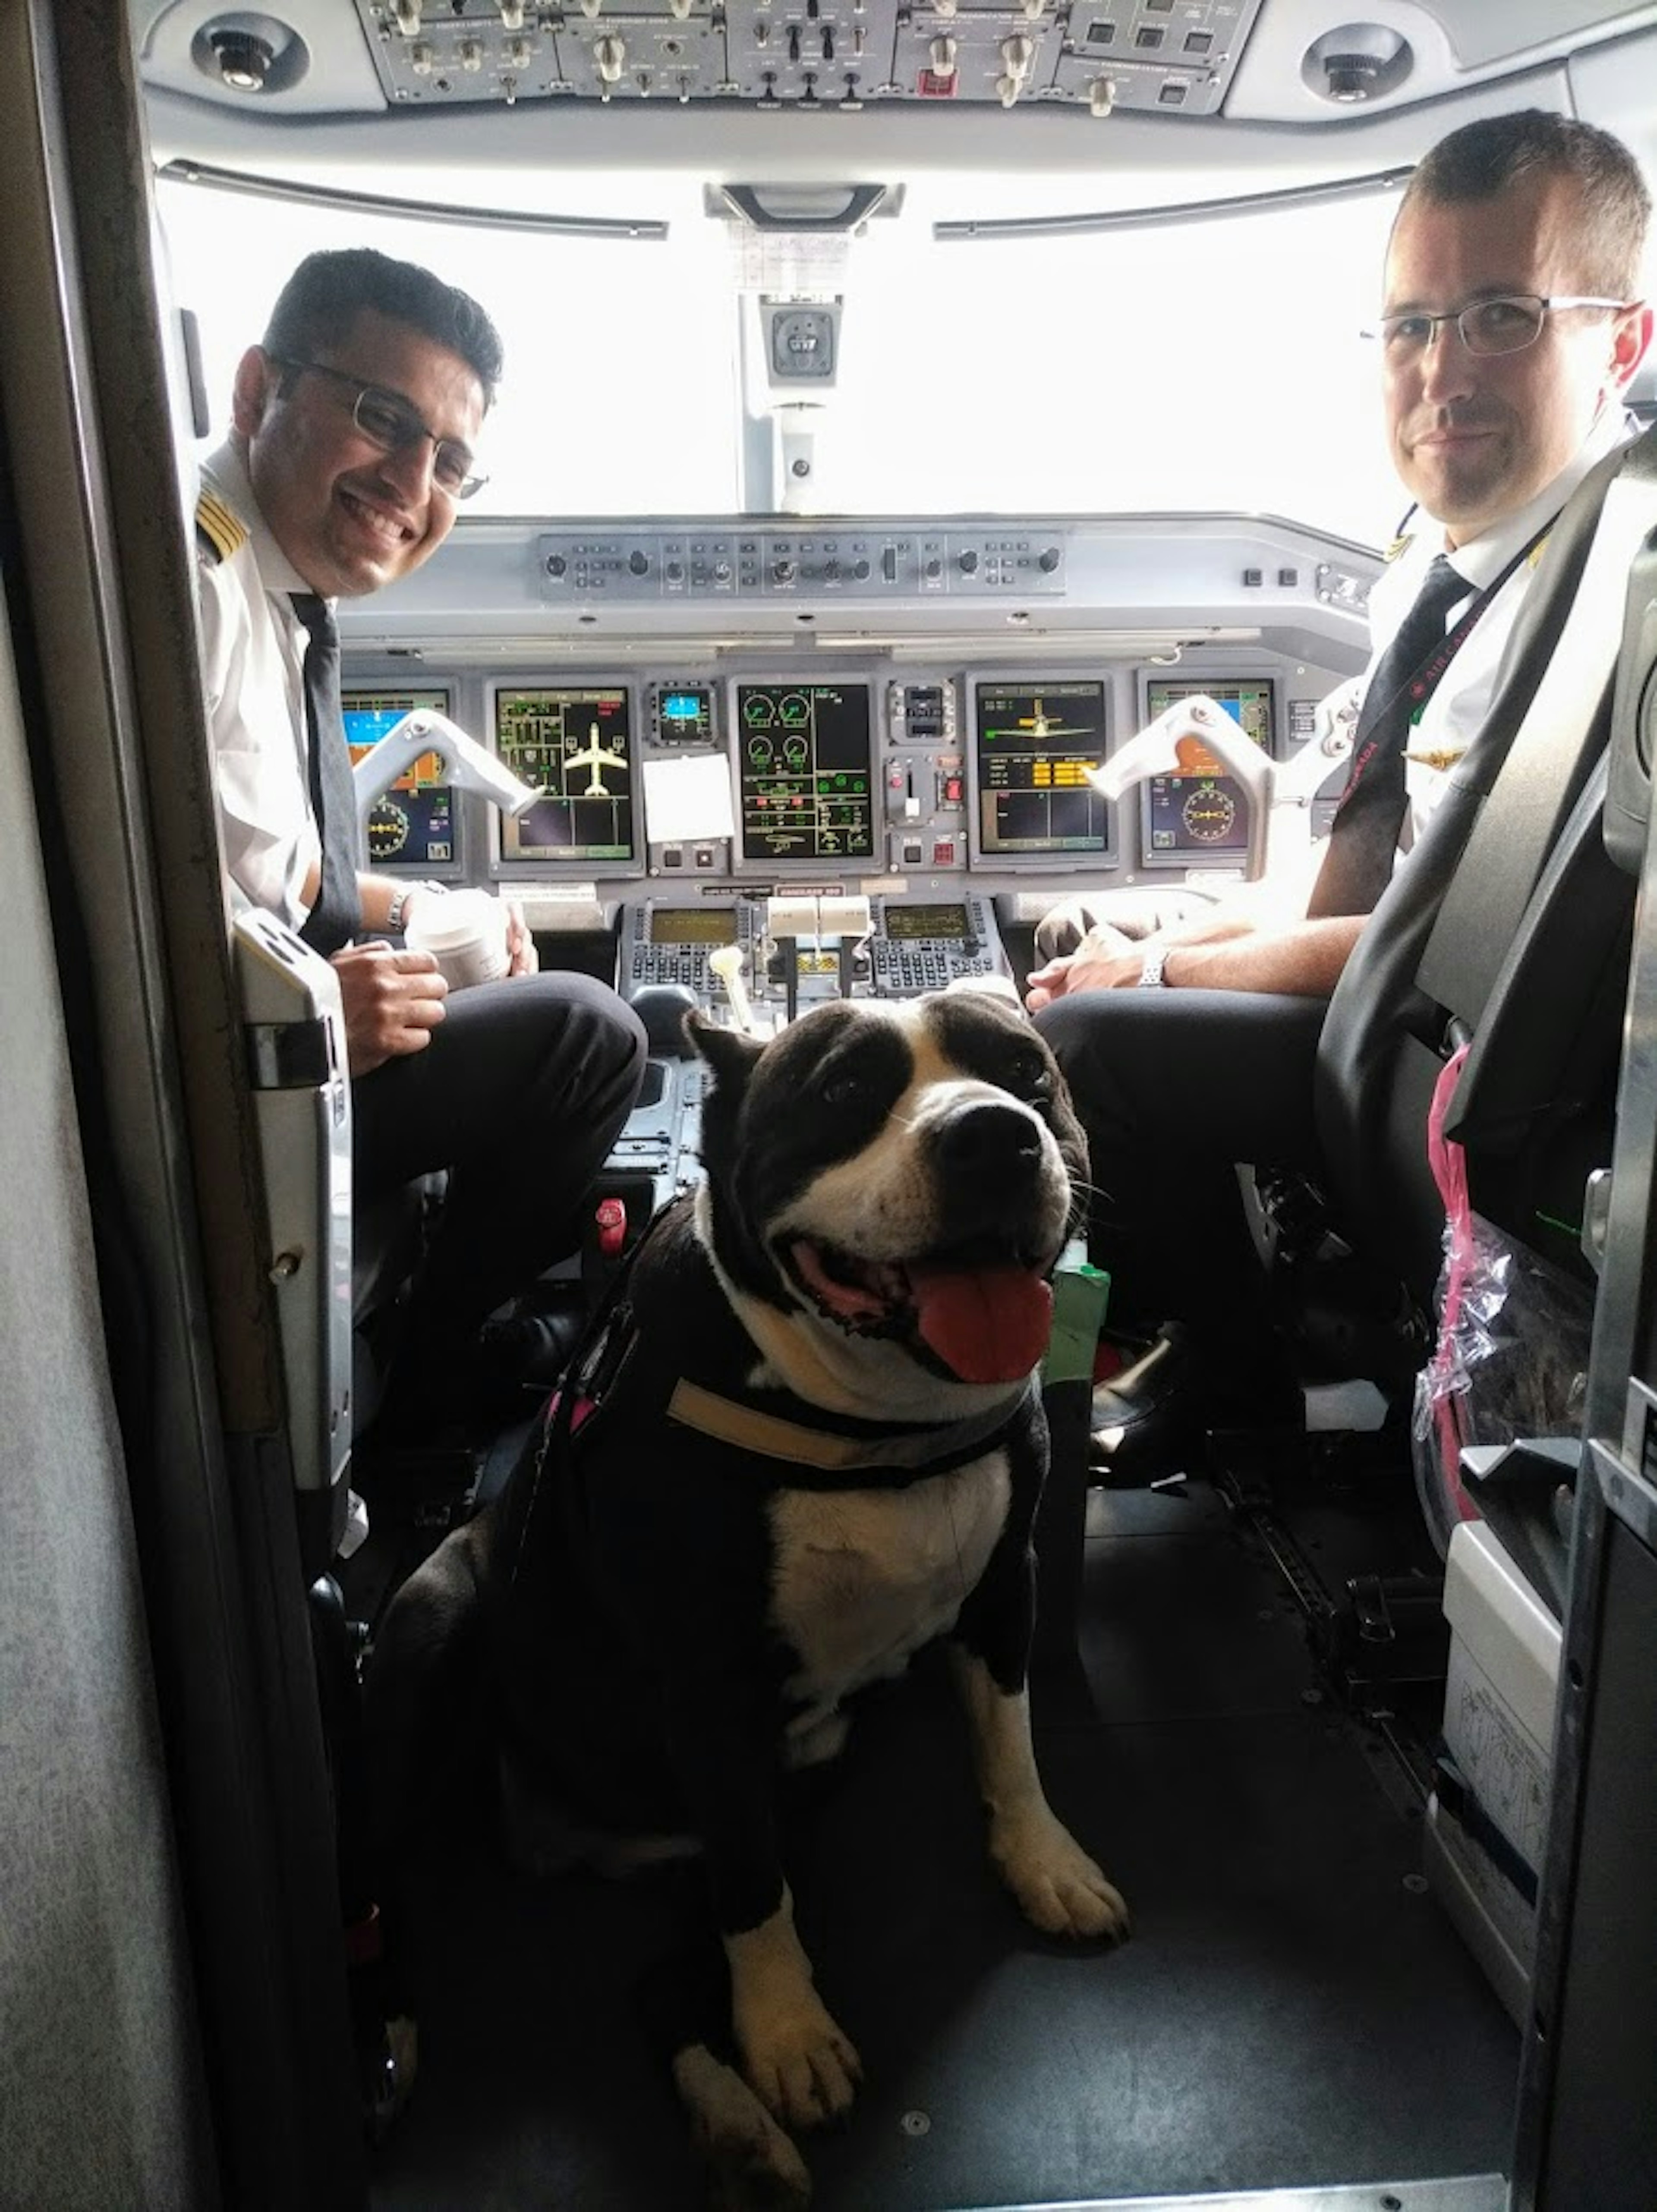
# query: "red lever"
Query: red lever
{"points": [[610, 1216]]}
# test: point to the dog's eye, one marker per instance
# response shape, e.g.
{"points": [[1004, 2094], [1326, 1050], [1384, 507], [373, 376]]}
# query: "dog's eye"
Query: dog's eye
{"points": [[844, 1089], [1029, 1076]]}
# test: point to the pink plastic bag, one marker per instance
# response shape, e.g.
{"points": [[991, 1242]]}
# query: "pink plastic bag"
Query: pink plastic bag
{"points": [[1511, 1353]]}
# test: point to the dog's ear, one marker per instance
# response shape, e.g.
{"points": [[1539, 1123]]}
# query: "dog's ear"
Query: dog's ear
{"points": [[730, 1053]]}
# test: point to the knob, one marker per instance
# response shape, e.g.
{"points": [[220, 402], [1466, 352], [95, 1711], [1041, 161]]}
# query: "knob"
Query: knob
{"points": [[675, 571], [860, 569], [610, 56], [934, 570], [512, 14], [1048, 559], [942, 55], [557, 565], [830, 570], [721, 571], [1018, 52], [472, 55], [421, 58], [783, 571], [969, 562], [639, 562]]}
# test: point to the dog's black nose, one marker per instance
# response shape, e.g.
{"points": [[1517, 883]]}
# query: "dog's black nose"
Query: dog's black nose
{"points": [[988, 1140]]}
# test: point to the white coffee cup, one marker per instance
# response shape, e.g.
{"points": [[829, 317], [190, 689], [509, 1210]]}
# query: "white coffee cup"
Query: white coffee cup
{"points": [[464, 932]]}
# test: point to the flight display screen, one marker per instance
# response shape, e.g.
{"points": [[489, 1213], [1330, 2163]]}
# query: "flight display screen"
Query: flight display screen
{"points": [[412, 825], [1201, 811], [684, 714], [1034, 742], [906, 924], [575, 745], [805, 771], [692, 925]]}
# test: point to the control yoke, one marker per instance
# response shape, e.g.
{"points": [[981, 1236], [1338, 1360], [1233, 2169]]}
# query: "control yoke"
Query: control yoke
{"points": [[465, 761], [1280, 793]]}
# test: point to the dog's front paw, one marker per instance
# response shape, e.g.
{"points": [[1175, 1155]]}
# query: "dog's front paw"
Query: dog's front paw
{"points": [[752, 2165], [801, 2067], [1058, 1888]]}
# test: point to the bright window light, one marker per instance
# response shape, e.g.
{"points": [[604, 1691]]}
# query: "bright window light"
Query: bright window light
{"points": [[1213, 365]]}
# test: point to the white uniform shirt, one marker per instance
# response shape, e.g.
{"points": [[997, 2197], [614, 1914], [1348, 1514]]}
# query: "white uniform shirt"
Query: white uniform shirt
{"points": [[1455, 713], [252, 670]]}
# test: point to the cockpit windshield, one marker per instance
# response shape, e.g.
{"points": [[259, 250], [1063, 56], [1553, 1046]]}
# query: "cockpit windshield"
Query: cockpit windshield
{"points": [[1186, 363]]}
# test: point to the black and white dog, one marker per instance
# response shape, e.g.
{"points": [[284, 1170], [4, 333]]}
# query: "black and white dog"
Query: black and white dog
{"points": [[806, 1443]]}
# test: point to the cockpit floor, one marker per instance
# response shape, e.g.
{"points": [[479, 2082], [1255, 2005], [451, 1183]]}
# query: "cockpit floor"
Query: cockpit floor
{"points": [[1293, 2007]]}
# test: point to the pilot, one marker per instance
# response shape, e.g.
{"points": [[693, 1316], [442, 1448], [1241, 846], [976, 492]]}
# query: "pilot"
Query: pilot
{"points": [[354, 421], [1510, 326]]}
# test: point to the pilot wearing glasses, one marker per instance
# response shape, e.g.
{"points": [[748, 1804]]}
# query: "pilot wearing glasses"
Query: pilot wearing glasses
{"points": [[354, 424], [1510, 325]]}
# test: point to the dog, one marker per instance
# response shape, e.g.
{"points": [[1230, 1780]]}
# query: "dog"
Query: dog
{"points": [[804, 1441]]}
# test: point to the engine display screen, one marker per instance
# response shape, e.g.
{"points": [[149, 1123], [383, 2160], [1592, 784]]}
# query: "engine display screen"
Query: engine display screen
{"points": [[906, 924], [1033, 744], [576, 747], [692, 925], [412, 824], [805, 771], [1201, 811]]}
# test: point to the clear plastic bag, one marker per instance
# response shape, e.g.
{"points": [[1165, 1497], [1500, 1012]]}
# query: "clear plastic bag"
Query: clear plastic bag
{"points": [[1512, 1354]]}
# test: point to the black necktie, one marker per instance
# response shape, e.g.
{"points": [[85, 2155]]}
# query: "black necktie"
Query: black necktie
{"points": [[1358, 863], [337, 914]]}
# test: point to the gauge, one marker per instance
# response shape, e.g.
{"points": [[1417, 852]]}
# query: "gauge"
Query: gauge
{"points": [[389, 830], [1210, 814]]}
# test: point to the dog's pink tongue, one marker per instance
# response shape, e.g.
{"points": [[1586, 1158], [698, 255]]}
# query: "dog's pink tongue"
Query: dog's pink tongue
{"points": [[987, 1325]]}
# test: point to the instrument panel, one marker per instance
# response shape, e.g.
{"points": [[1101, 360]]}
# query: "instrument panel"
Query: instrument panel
{"points": [[845, 778]]}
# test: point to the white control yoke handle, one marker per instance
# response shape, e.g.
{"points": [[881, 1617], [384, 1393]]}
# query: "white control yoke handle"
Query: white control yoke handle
{"points": [[1276, 790], [465, 761]]}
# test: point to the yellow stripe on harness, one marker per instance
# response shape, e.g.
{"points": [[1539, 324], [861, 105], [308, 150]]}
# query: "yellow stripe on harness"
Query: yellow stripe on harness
{"points": [[695, 1407], [768, 1434]]}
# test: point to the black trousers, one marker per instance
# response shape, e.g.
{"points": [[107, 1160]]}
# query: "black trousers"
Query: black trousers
{"points": [[1175, 1088], [519, 1096]]}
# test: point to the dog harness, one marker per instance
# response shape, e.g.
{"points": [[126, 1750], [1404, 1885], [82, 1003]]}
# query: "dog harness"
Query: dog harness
{"points": [[820, 1450]]}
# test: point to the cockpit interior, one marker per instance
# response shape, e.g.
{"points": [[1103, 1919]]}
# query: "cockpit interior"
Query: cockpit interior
{"points": [[936, 476]]}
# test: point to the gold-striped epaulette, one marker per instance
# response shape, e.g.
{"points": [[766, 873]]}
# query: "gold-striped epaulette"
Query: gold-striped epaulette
{"points": [[1400, 545], [220, 531], [1441, 758]]}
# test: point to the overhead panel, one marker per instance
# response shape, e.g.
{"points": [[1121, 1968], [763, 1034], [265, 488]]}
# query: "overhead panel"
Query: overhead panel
{"points": [[1088, 55]]}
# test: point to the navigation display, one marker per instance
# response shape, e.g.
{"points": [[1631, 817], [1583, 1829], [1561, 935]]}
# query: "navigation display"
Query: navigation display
{"points": [[1202, 812], [1033, 743], [412, 825], [575, 745], [805, 775]]}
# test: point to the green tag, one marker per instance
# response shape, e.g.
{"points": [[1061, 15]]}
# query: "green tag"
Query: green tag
{"points": [[1081, 1294]]}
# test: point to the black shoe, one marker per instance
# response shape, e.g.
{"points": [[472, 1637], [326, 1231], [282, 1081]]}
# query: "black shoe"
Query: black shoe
{"points": [[1147, 1421]]}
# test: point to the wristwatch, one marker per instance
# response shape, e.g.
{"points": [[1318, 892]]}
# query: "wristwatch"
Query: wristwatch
{"points": [[1151, 977], [398, 910]]}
